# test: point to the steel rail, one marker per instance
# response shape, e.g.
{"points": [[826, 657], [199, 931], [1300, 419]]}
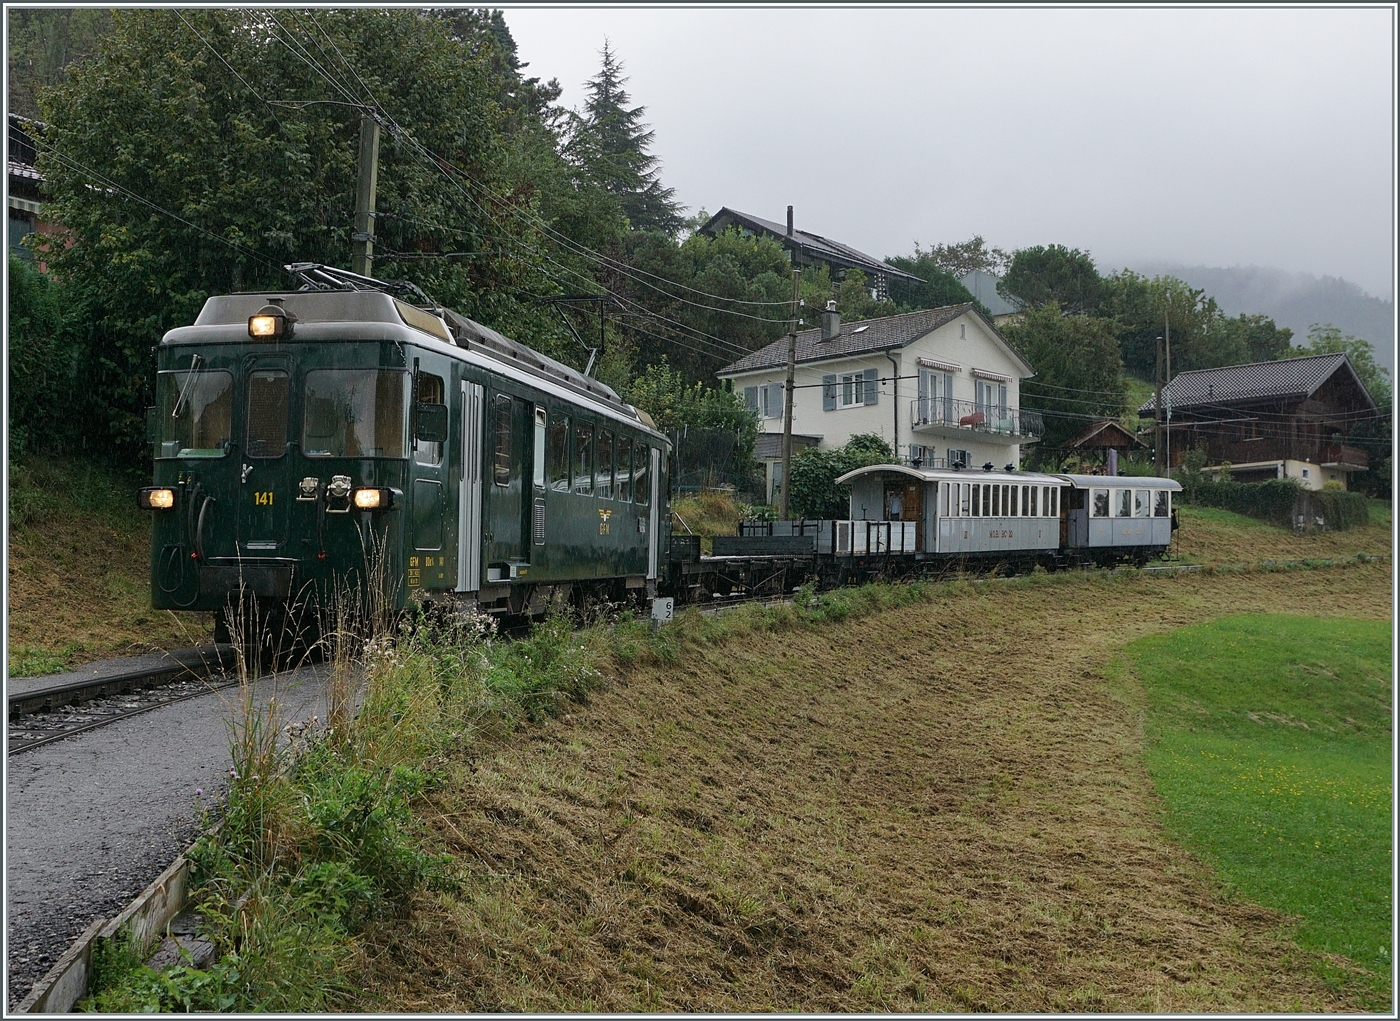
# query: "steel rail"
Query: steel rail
{"points": [[114, 717]]}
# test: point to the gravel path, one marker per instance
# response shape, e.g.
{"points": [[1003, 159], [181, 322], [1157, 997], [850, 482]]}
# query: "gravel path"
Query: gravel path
{"points": [[92, 820]]}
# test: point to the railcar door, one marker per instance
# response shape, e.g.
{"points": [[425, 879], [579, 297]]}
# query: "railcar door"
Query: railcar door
{"points": [[654, 515], [428, 565], [265, 488], [510, 477], [469, 504]]}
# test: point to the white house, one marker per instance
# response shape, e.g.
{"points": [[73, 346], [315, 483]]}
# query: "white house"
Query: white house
{"points": [[942, 386]]}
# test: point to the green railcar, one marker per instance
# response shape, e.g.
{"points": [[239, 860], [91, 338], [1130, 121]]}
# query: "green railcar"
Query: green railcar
{"points": [[311, 437]]}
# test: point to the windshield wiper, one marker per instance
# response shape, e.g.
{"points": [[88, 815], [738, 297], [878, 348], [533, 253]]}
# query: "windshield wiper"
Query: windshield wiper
{"points": [[189, 380]]}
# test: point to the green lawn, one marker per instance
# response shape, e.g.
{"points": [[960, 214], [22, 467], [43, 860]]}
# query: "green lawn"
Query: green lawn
{"points": [[1269, 739]]}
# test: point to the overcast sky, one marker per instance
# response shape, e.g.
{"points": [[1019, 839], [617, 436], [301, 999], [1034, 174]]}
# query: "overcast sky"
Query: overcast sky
{"points": [[1220, 137]]}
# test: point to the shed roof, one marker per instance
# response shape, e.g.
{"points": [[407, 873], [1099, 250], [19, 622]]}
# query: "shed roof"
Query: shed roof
{"points": [[814, 246], [1106, 433], [1287, 377], [860, 337]]}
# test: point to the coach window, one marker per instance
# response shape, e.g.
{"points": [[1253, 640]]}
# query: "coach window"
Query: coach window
{"points": [[1161, 504], [605, 464], [501, 461], [583, 459], [559, 453], [1015, 502], [624, 468], [998, 506], [1142, 503], [1054, 501], [541, 437], [1099, 508], [641, 480], [966, 491], [976, 501], [430, 391], [1122, 503], [267, 413]]}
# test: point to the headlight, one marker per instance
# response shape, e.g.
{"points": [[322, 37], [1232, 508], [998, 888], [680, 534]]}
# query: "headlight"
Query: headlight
{"points": [[155, 498], [374, 499]]}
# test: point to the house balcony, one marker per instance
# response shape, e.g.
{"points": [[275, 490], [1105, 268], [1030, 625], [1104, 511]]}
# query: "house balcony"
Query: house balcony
{"points": [[1344, 458], [951, 419]]}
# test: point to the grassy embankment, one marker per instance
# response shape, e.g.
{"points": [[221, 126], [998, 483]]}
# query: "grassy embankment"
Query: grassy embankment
{"points": [[1270, 741], [766, 810], [79, 579]]}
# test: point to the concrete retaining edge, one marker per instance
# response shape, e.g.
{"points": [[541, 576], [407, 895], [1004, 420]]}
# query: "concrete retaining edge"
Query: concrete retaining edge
{"points": [[144, 920]]}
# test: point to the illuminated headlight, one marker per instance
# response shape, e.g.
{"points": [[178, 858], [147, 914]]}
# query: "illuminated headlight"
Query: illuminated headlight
{"points": [[270, 322], [156, 498], [374, 499]]}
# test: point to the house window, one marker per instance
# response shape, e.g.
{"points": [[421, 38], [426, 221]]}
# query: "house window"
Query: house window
{"points": [[766, 401], [962, 331], [851, 390], [935, 397], [961, 457], [991, 399]]}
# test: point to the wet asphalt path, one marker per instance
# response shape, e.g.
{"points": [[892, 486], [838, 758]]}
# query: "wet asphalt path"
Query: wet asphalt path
{"points": [[90, 821]]}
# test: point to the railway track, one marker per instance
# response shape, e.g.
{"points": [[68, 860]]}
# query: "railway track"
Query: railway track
{"points": [[39, 714]]}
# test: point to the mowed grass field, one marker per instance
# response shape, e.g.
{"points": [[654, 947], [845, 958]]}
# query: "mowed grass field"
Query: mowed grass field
{"points": [[943, 807], [1270, 741]]}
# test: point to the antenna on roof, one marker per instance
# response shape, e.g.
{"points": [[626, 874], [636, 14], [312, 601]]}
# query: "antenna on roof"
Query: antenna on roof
{"points": [[315, 276]]}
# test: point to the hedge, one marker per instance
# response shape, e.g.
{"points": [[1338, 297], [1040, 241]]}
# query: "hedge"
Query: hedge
{"points": [[1278, 501]]}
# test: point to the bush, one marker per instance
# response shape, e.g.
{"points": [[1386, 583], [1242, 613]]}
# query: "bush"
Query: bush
{"points": [[1278, 501], [814, 492]]}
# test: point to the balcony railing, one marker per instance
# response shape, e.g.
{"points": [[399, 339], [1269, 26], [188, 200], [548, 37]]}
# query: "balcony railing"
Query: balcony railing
{"points": [[1338, 453], [929, 412]]}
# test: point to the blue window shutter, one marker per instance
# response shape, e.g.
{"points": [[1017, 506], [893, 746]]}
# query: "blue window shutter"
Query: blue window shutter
{"points": [[829, 393], [872, 386], [751, 398], [775, 400]]}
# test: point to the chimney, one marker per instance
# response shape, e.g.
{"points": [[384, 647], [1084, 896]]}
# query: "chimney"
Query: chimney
{"points": [[831, 322], [789, 233]]}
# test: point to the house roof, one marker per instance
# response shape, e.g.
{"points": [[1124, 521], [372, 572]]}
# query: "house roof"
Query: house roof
{"points": [[813, 246], [770, 445], [1107, 433], [861, 337], [1287, 377]]}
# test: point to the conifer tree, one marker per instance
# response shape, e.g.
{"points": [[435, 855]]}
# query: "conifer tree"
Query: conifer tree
{"points": [[609, 145]]}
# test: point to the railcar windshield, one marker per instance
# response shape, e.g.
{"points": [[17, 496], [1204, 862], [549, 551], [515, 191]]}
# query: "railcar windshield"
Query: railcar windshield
{"points": [[355, 413], [195, 413]]}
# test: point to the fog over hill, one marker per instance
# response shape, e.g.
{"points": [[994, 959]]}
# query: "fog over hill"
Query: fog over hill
{"points": [[1295, 300]]}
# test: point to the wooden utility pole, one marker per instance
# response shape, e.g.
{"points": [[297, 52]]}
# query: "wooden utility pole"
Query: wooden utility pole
{"points": [[1160, 452], [1167, 320], [787, 401], [367, 181]]}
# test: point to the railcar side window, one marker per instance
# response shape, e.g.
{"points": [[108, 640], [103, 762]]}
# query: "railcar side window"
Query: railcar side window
{"points": [[1054, 501], [502, 459], [430, 391], [997, 493], [583, 459], [966, 499], [605, 464], [196, 413], [1142, 503], [559, 453], [1099, 509], [541, 420], [1015, 506], [355, 413], [624, 468], [1161, 506], [1123, 503], [976, 501], [641, 477]]}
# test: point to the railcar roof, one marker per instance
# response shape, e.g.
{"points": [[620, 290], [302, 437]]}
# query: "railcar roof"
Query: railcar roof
{"points": [[325, 315], [952, 475], [1120, 481]]}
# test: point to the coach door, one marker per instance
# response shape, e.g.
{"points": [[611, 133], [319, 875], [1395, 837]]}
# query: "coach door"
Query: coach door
{"points": [[469, 505], [654, 520]]}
